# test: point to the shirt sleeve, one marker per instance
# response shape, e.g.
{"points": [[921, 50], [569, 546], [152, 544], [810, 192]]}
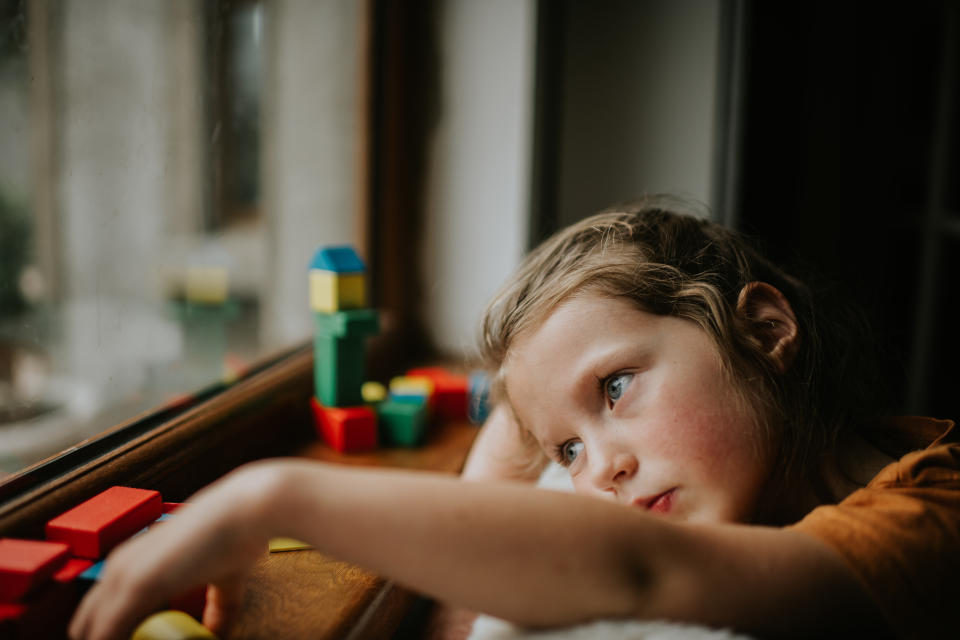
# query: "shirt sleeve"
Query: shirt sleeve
{"points": [[900, 536]]}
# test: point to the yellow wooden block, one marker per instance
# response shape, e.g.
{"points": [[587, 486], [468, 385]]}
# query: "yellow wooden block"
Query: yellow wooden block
{"points": [[373, 392], [330, 292], [207, 285], [171, 625], [287, 544], [412, 384]]}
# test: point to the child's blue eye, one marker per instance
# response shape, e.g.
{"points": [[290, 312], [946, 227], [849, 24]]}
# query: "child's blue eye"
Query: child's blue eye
{"points": [[569, 451], [614, 386]]}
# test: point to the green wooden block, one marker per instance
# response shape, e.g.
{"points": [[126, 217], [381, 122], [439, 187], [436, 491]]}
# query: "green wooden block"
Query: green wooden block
{"points": [[338, 370], [402, 423], [351, 323], [339, 355]]}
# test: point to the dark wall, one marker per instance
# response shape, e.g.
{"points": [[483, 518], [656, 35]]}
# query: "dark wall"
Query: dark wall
{"points": [[850, 142]]}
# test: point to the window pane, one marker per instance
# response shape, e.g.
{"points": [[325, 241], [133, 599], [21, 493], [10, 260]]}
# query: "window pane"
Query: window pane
{"points": [[150, 245]]}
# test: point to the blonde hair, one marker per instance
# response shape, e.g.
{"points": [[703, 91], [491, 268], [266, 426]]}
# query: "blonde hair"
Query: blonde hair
{"points": [[664, 260]]}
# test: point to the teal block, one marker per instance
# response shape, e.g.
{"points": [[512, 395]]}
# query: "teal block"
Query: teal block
{"points": [[402, 423], [408, 397], [339, 259], [350, 323], [338, 370]]}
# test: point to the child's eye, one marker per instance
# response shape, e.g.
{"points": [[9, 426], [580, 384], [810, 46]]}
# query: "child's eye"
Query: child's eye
{"points": [[615, 385], [569, 451]]}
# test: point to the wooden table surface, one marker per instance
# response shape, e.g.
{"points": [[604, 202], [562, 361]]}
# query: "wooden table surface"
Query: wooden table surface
{"points": [[304, 594]]}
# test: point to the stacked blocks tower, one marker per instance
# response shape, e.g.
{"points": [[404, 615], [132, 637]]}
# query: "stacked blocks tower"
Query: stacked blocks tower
{"points": [[342, 324]]}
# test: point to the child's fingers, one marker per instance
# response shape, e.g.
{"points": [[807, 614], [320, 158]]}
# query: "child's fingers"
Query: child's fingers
{"points": [[107, 613], [224, 600]]}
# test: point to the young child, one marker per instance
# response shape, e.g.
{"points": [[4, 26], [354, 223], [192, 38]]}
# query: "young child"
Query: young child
{"points": [[678, 375]]}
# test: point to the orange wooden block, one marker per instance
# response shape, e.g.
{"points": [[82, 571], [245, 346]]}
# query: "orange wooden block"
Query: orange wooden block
{"points": [[94, 527], [346, 428]]}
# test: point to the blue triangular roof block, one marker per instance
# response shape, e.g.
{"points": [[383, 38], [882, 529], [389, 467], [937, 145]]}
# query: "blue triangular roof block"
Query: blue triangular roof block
{"points": [[337, 259]]}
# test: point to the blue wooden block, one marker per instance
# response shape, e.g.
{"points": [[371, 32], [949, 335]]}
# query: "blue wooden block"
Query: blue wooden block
{"points": [[342, 259], [478, 397], [93, 573]]}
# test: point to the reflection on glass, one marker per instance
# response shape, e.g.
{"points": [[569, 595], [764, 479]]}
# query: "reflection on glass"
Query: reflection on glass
{"points": [[135, 256]]}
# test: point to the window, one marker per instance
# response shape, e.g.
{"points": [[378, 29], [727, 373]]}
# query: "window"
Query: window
{"points": [[148, 249]]}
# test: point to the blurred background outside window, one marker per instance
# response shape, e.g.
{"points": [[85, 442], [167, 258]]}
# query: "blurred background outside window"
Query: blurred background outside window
{"points": [[147, 249]]}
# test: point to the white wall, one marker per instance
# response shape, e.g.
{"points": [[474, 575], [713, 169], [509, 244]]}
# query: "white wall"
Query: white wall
{"points": [[479, 172], [311, 123], [639, 96]]}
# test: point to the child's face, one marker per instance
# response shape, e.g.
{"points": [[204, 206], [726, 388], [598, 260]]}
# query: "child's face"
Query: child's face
{"points": [[639, 409]]}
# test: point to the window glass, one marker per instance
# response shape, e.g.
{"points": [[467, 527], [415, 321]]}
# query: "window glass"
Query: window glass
{"points": [[166, 170]]}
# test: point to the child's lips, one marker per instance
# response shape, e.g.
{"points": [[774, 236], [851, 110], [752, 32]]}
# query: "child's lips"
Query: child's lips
{"points": [[658, 503]]}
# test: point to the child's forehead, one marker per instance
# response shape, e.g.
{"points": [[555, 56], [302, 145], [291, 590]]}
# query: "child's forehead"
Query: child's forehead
{"points": [[581, 311]]}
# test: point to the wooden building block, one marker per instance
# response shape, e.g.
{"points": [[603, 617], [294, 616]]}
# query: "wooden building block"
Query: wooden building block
{"points": [[339, 368], [72, 569], [346, 428], [331, 292], [27, 564], [44, 613], [373, 392], [207, 285], [94, 527], [478, 397], [415, 389], [351, 323], [278, 545], [339, 259], [171, 625], [402, 384], [92, 573], [450, 392], [402, 423]]}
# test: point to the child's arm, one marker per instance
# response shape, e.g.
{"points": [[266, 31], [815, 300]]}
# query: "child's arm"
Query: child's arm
{"points": [[534, 557], [499, 452]]}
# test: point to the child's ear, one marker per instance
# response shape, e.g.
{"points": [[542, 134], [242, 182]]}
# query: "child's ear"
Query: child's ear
{"points": [[769, 317]]}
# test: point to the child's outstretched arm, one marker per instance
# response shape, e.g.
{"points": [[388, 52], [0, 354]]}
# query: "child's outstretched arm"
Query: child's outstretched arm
{"points": [[536, 557]]}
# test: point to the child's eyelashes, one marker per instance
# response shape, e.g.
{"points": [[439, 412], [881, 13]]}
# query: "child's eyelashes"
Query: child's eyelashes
{"points": [[614, 387], [568, 452]]}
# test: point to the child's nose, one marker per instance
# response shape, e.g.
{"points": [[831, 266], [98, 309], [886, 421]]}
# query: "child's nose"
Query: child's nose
{"points": [[613, 469]]}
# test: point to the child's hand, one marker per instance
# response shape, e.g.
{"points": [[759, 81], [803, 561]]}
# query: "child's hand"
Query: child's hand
{"points": [[214, 539]]}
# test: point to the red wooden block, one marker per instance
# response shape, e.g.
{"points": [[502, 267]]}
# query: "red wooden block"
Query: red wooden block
{"points": [[449, 390], [43, 614], [94, 527], [26, 564], [11, 615], [72, 569], [346, 428], [170, 507]]}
